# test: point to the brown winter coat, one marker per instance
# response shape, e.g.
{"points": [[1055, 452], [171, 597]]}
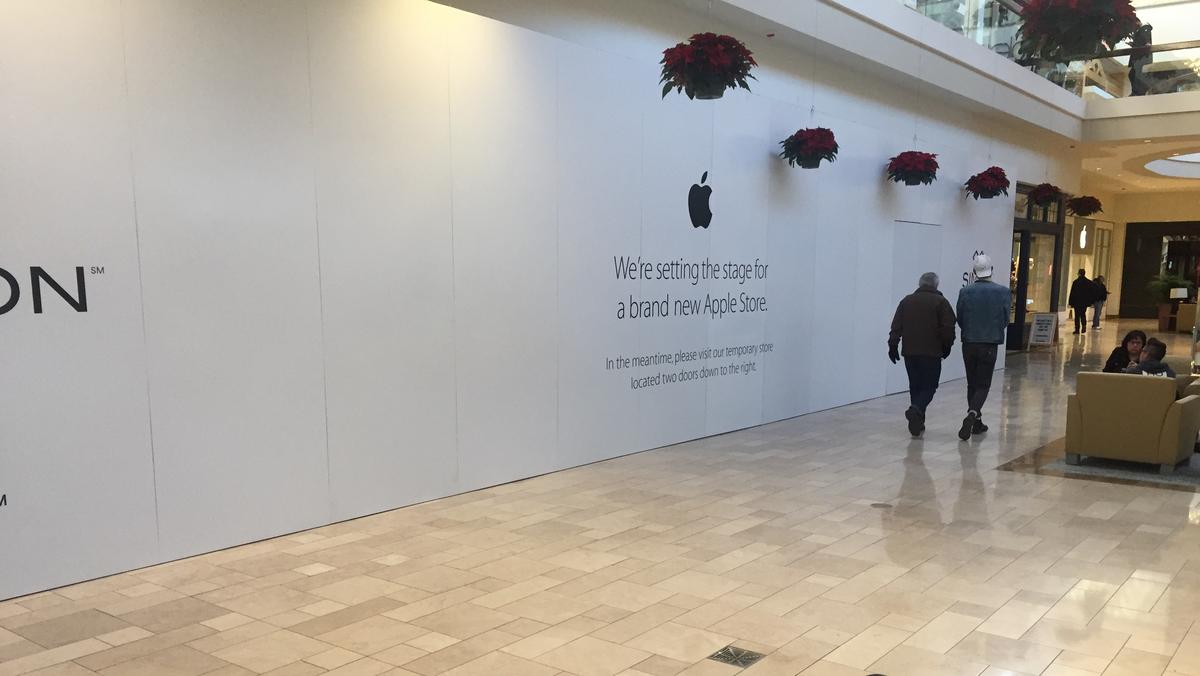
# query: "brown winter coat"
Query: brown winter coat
{"points": [[925, 322]]}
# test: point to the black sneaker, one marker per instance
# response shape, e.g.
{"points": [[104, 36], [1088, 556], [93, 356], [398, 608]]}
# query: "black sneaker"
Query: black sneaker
{"points": [[979, 427], [916, 421], [969, 423]]}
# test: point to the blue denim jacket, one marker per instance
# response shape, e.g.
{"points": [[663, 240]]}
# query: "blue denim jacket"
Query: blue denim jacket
{"points": [[983, 309]]}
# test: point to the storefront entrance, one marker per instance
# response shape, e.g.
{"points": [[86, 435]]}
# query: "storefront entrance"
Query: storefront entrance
{"points": [[1034, 271]]}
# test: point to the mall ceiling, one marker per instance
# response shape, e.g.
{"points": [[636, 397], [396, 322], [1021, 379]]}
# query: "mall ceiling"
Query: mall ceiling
{"points": [[1122, 166]]}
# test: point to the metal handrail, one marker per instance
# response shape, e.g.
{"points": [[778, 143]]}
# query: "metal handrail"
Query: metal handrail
{"points": [[1167, 47]]}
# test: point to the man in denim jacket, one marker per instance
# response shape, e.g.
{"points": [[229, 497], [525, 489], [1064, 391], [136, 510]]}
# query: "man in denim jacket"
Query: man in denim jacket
{"points": [[983, 309]]}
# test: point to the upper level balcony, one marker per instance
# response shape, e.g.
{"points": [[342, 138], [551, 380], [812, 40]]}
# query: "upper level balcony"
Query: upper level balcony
{"points": [[1166, 65]]}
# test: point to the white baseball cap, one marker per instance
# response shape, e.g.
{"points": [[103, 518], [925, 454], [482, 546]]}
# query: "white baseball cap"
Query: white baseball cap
{"points": [[983, 266]]}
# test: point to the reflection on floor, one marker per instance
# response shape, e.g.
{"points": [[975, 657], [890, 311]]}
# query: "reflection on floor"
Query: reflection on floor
{"points": [[831, 543]]}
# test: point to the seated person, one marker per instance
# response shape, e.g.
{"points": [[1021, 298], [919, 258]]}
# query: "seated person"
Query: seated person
{"points": [[1129, 353], [1151, 363]]}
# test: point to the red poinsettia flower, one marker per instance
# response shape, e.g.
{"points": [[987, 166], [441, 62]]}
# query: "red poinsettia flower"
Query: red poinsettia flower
{"points": [[807, 147], [1064, 30], [1045, 194], [988, 184], [913, 167], [706, 65], [1084, 205]]}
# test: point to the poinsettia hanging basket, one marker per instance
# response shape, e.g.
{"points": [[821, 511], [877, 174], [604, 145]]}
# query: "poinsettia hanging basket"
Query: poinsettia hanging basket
{"points": [[1084, 205], [807, 147], [1045, 194], [1065, 30], [913, 167], [706, 65], [987, 184]]}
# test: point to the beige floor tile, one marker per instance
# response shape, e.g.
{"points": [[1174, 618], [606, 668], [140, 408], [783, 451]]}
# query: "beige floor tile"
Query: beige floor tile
{"points": [[314, 569], [868, 647], [52, 657], [356, 590], [364, 667], [764, 628], [432, 642], [272, 651], [1013, 619], [1130, 662], [463, 621], [322, 608], [1138, 595], [177, 661], [438, 579], [680, 642], [626, 596], [1005, 653], [1068, 658], [266, 602], [905, 659], [333, 658], [547, 607], [70, 628], [371, 635], [657, 665], [399, 655], [586, 560], [123, 636], [498, 663], [589, 656], [943, 632], [703, 585], [1066, 636], [227, 621]]}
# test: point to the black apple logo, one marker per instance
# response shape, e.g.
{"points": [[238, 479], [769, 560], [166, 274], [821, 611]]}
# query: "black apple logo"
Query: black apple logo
{"points": [[698, 203]]}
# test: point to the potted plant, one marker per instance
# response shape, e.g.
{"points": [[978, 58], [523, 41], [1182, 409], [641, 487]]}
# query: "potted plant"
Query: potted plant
{"points": [[1160, 287], [1084, 206], [987, 184], [808, 147], [913, 167], [706, 65], [1045, 194], [1060, 31]]}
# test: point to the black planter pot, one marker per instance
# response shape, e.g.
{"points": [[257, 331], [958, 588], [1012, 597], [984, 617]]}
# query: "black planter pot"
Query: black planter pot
{"points": [[809, 163], [706, 92], [912, 181]]}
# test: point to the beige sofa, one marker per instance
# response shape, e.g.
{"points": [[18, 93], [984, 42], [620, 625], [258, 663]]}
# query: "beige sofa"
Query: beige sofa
{"points": [[1131, 417], [1184, 378]]}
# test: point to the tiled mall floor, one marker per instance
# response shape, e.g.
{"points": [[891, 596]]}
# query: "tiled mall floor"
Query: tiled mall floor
{"points": [[832, 543]]}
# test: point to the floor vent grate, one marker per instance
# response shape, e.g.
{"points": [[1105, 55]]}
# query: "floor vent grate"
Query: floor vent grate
{"points": [[738, 657]]}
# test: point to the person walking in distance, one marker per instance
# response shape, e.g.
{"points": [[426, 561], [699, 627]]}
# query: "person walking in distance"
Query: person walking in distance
{"points": [[924, 324], [1101, 298], [983, 309], [1083, 295]]}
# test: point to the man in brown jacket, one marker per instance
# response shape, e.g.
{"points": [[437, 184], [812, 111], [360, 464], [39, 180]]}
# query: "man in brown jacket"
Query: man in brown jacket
{"points": [[924, 321]]}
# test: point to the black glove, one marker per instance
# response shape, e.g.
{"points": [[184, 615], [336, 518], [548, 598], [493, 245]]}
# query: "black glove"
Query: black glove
{"points": [[894, 355], [946, 352]]}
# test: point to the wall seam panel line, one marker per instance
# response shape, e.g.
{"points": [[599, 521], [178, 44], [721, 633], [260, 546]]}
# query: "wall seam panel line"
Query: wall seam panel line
{"points": [[557, 257], [312, 129], [137, 236], [453, 263]]}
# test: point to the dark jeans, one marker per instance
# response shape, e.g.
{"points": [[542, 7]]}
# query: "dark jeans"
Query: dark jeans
{"points": [[923, 376], [1080, 319], [980, 359], [1097, 310]]}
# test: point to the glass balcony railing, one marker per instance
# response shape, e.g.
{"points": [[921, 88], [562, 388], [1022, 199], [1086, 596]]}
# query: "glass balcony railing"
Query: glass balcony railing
{"points": [[994, 24]]}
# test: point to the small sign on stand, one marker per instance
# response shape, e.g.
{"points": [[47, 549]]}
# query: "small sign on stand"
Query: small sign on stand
{"points": [[1044, 329]]}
